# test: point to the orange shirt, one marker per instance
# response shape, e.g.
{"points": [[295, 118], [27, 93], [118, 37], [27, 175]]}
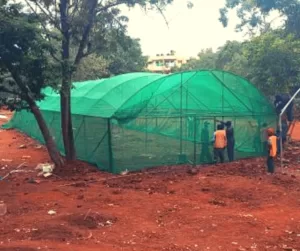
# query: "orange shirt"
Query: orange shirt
{"points": [[220, 139], [272, 146]]}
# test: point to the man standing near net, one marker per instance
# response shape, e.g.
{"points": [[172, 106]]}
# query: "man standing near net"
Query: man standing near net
{"points": [[272, 146], [230, 140], [205, 156], [220, 143]]}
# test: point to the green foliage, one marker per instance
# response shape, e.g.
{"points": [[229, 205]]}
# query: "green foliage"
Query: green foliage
{"points": [[119, 58], [91, 67], [274, 61], [253, 13], [270, 61], [127, 58], [206, 60], [25, 67]]}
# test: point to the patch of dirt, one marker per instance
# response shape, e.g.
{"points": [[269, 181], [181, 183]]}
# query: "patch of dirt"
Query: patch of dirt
{"points": [[234, 206], [138, 183], [217, 202], [75, 168], [91, 220], [18, 249], [53, 233], [286, 181]]}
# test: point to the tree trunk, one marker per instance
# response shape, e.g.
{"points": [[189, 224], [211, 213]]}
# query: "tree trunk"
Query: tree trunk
{"points": [[70, 132], [50, 144], [65, 94], [66, 125], [65, 122]]}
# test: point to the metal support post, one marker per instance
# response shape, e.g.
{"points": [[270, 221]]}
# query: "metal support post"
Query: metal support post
{"points": [[195, 142]]}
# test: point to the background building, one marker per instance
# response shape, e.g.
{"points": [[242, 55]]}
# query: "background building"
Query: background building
{"points": [[163, 63]]}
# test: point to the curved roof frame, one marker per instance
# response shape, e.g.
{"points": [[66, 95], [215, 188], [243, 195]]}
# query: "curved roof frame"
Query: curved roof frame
{"points": [[212, 72], [155, 84]]}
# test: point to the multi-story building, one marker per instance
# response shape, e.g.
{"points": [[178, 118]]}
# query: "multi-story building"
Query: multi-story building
{"points": [[163, 63]]}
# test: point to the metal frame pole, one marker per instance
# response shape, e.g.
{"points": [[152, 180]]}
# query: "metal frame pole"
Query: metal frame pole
{"points": [[181, 122], [110, 151], [280, 124], [195, 141], [146, 133]]}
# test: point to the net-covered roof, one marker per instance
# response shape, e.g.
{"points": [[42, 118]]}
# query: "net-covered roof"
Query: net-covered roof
{"points": [[126, 96]]}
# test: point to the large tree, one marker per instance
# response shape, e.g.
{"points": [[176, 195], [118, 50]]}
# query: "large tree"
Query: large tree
{"points": [[270, 61], [121, 56], [127, 57], [25, 68], [273, 62], [206, 60], [85, 25], [253, 14]]}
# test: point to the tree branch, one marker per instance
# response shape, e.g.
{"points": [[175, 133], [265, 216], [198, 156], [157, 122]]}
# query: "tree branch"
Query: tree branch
{"points": [[75, 8], [163, 15], [86, 31], [48, 15], [110, 5], [45, 29], [25, 92]]}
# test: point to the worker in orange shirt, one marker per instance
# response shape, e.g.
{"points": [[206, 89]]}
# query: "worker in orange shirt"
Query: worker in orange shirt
{"points": [[220, 143], [272, 146]]}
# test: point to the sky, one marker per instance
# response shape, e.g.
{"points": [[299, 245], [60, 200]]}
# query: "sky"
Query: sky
{"points": [[189, 30]]}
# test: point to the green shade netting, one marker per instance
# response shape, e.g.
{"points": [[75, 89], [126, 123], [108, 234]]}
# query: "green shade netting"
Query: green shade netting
{"points": [[139, 120]]}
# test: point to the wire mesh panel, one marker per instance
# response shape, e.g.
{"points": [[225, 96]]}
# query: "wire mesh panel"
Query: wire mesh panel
{"points": [[92, 142], [90, 134], [149, 142]]}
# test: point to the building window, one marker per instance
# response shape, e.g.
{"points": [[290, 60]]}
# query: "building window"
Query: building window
{"points": [[170, 63], [159, 63]]}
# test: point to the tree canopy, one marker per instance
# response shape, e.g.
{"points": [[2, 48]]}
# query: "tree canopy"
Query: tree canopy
{"points": [[270, 61], [253, 13], [25, 65]]}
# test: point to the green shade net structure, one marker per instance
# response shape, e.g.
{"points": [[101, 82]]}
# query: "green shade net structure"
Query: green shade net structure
{"points": [[140, 120]]}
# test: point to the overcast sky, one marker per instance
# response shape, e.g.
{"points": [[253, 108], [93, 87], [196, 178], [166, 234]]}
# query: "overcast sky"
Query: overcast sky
{"points": [[189, 31]]}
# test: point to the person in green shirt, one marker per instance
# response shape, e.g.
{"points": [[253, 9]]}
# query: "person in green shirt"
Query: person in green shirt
{"points": [[205, 155]]}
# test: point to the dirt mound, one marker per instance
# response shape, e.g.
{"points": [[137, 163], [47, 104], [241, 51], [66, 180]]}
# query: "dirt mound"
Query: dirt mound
{"points": [[53, 233], [138, 183], [75, 168], [286, 181], [91, 220], [243, 168]]}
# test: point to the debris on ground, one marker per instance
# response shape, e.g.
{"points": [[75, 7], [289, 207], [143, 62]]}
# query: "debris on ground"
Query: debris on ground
{"points": [[34, 181], [26, 157], [17, 170], [3, 116], [45, 169], [51, 212], [6, 160], [124, 172], [3, 208]]}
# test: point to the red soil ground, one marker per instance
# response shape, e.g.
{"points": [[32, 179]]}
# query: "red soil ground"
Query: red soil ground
{"points": [[226, 207], [295, 131]]}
